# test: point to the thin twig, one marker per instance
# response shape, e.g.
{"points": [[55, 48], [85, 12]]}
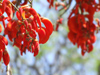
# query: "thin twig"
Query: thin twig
{"points": [[8, 70], [63, 13], [14, 6], [30, 3]]}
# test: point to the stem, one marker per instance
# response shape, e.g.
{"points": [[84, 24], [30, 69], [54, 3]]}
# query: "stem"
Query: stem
{"points": [[30, 3], [99, 69], [8, 70], [14, 6], [63, 12]]}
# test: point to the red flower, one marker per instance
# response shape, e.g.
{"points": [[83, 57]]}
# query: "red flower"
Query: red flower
{"points": [[0, 28], [36, 47], [72, 24], [48, 25], [6, 58], [1, 54], [51, 3], [45, 32], [42, 35]]}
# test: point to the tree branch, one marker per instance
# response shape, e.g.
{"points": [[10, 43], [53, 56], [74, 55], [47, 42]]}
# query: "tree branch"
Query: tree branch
{"points": [[8, 70]]}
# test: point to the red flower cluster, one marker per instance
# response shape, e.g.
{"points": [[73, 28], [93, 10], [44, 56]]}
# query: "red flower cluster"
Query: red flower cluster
{"points": [[3, 52], [80, 22], [23, 31], [81, 26]]}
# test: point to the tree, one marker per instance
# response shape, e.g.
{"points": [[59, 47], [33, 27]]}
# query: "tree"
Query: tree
{"points": [[22, 32]]}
